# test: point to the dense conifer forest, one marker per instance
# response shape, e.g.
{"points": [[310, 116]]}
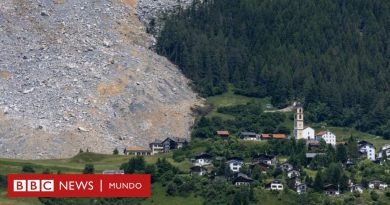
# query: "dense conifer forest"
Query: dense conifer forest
{"points": [[331, 54]]}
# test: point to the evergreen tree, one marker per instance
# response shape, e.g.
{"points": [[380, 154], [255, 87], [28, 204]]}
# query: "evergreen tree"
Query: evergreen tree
{"points": [[336, 61], [341, 153], [330, 154], [352, 148], [318, 184]]}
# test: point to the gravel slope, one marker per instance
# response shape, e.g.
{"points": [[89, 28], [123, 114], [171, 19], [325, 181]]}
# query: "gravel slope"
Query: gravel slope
{"points": [[78, 75]]}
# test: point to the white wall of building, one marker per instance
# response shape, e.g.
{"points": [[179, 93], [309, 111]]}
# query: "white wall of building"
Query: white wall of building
{"points": [[309, 133], [235, 166], [369, 150], [329, 138]]}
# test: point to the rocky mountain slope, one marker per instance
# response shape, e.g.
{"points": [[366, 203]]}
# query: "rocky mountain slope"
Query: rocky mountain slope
{"points": [[78, 75], [153, 9]]}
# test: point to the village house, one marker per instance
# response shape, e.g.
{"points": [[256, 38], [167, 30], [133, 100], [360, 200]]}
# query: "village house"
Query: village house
{"points": [[156, 147], [286, 167], [308, 133], [235, 164], [328, 136], [301, 188], [279, 136], [377, 184], [332, 190], [355, 188], [265, 136], [202, 159], [173, 143], [263, 166], [348, 163], [387, 146], [251, 136], [224, 134], [367, 149], [384, 151], [242, 179], [138, 151], [275, 185], [264, 158], [293, 173], [198, 171], [310, 156], [313, 145]]}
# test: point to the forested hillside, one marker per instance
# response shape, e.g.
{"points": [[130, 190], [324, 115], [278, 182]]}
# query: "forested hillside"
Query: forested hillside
{"points": [[331, 54]]}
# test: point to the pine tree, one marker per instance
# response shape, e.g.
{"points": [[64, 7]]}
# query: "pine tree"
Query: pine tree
{"points": [[318, 184], [341, 153], [352, 148]]}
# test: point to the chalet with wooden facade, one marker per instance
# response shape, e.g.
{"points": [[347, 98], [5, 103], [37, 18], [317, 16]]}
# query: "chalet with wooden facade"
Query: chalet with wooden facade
{"points": [[173, 143], [241, 179]]}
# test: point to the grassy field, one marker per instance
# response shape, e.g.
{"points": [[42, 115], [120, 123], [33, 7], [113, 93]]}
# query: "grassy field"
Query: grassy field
{"points": [[231, 99], [17, 201], [344, 133], [159, 197], [76, 164]]}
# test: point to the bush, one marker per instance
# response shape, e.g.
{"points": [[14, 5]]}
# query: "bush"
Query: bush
{"points": [[387, 194], [356, 194], [374, 196], [3, 181], [172, 189], [115, 152], [46, 171], [135, 164], [28, 169], [89, 169]]}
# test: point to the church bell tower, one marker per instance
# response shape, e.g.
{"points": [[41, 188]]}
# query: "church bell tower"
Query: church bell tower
{"points": [[298, 122]]}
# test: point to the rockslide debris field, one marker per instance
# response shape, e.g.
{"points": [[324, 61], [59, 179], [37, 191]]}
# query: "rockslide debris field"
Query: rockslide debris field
{"points": [[79, 75]]}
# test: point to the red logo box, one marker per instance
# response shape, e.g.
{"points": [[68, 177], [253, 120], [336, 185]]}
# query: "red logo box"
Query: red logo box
{"points": [[79, 185]]}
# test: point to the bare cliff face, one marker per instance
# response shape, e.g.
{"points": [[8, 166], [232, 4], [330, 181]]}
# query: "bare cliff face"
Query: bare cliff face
{"points": [[78, 75]]}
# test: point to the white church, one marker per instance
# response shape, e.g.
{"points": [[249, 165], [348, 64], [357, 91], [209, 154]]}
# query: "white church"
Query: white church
{"points": [[308, 133]]}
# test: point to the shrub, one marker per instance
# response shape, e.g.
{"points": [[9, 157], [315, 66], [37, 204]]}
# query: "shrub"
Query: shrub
{"points": [[89, 169], [115, 152], [46, 171], [28, 169], [387, 194], [3, 181], [374, 196], [172, 189]]}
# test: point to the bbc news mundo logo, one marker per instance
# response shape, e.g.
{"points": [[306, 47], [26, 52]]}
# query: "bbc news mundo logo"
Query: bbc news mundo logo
{"points": [[79, 185]]}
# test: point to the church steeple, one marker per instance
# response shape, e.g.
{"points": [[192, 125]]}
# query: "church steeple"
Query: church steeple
{"points": [[298, 121]]}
